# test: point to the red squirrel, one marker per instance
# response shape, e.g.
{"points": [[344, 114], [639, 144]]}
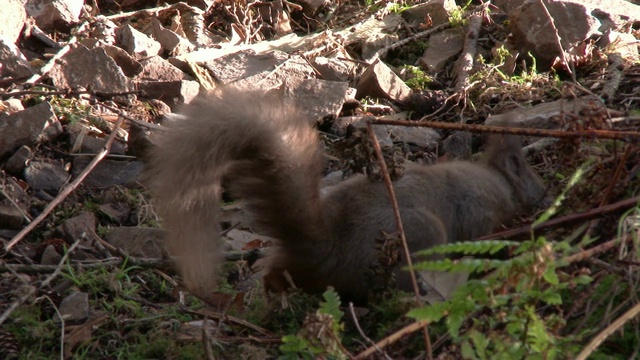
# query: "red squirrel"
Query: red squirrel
{"points": [[270, 155]]}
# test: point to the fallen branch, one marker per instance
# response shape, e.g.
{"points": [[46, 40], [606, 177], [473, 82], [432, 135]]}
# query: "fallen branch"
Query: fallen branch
{"points": [[565, 220], [627, 136]]}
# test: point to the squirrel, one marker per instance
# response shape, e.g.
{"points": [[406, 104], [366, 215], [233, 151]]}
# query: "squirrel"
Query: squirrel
{"points": [[271, 157]]}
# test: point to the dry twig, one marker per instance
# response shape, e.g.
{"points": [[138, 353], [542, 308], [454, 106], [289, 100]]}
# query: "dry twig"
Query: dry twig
{"points": [[396, 213]]}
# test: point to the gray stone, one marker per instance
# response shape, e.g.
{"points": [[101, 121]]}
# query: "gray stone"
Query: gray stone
{"points": [[13, 65], [156, 68], [137, 241], [42, 175], [50, 256], [16, 164], [443, 49], [13, 17], [10, 217], [172, 43], [31, 126], [56, 14], [381, 82], [108, 173], [318, 98], [137, 44], [81, 227], [533, 32], [437, 10], [74, 309], [91, 69]]}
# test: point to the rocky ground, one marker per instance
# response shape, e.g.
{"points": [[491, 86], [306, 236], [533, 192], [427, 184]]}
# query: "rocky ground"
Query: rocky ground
{"points": [[85, 84]]}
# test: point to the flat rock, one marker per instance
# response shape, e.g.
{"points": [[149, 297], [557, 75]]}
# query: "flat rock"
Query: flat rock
{"points": [[118, 212], [332, 69], [533, 31], [379, 81], [48, 176], [108, 173], [129, 65], [31, 126], [74, 309], [437, 10], [13, 16], [58, 14], [244, 64], [137, 241], [13, 64], [443, 47], [155, 68], [91, 69], [318, 98]]}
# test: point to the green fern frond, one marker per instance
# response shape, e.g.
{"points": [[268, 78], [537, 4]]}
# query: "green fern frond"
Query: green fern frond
{"points": [[469, 247]]}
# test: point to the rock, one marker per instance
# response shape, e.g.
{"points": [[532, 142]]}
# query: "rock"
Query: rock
{"points": [[136, 43], [108, 173], [103, 30], [171, 92], [379, 81], [437, 10], [318, 98], [31, 126], [91, 69], [375, 42], [57, 14], [332, 69], [457, 146], [244, 64], [74, 309], [118, 212], [137, 241], [155, 68], [443, 48], [50, 256], [130, 67], [624, 44], [13, 17], [172, 43], [533, 32], [508, 5], [10, 106], [10, 217], [81, 227], [13, 64], [48, 176], [16, 164]]}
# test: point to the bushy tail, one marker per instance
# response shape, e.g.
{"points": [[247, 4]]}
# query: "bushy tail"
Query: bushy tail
{"points": [[268, 154]]}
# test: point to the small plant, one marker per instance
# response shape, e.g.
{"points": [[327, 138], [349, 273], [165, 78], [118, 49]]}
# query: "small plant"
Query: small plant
{"points": [[416, 79], [321, 333]]}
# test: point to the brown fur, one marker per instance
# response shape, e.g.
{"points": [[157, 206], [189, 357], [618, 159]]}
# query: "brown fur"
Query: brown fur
{"points": [[271, 157]]}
